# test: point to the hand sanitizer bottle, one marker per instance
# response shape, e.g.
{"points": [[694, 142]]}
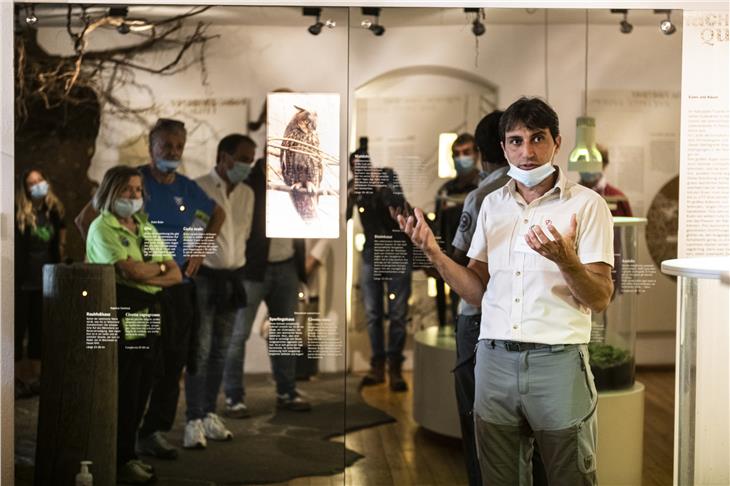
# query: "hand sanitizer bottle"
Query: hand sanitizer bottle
{"points": [[84, 477]]}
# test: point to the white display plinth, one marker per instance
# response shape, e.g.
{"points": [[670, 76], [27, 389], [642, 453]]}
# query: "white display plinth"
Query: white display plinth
{"points": [[620, 436], [434, 398], [702, 390]]}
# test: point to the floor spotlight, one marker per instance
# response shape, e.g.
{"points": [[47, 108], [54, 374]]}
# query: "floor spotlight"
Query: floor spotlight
{"points": [[477, 26], [625, 26], [666, 25], [372, 25]]}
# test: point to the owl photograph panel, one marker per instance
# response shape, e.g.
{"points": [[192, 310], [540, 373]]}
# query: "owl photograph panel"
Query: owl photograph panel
{"points": [[303, 166]]}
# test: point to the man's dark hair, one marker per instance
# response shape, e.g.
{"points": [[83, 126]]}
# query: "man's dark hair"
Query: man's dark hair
{"points": [[533, 113], [463, 139], [166, 125], [230, 143], [487, 137]]}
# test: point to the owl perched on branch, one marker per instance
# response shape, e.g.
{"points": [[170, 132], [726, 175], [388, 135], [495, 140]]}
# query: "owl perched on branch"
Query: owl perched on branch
{"points": [[301, 162]]}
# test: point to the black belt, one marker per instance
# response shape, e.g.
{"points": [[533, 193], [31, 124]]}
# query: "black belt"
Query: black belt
{"points": [[281, 262], [518, 346]]}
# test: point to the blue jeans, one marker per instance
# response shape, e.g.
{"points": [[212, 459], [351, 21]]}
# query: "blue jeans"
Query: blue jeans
{"points": [[372, 296], [280, 292], [214, 336]]}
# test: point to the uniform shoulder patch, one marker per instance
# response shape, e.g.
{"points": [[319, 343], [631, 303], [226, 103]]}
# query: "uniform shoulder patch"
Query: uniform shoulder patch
{"points": [[465, 222]]}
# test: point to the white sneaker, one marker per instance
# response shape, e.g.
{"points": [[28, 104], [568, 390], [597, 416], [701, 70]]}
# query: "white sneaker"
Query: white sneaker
{"points": [[194, 435], [214, 428], [236, 410]]}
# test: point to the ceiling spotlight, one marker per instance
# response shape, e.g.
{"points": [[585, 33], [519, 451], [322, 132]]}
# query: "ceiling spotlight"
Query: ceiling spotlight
{"points": [[666, 25], [30, 17], [477, 26], [625, 26], [315, 28], [372, 25]]}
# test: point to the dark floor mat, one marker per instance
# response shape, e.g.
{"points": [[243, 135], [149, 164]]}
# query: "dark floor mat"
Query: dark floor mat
{"points": [[270, 446]]}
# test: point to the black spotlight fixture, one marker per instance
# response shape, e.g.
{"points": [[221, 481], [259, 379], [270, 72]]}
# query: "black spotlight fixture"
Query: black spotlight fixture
{"points": [[477, 26], [120, 13], [625, 26], [372, 25], [666, 25], [315, 28]]}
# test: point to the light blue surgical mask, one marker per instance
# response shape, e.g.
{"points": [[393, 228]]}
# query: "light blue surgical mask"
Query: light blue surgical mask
{"points": [[167, 166], [124, 207], [590, 179], [239, 172], [464, 164], [39, 190], [533, 177]]}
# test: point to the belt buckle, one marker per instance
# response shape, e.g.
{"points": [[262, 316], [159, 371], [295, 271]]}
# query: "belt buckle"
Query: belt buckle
{"points": [[512, 346]]}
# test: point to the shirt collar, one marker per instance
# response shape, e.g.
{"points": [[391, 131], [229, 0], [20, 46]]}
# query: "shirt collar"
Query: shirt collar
{"points": [[111, 220], [218, 179]]}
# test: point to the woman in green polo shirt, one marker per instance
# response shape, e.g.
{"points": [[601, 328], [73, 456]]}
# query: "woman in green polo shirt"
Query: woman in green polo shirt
{"points": [[121, 235]]}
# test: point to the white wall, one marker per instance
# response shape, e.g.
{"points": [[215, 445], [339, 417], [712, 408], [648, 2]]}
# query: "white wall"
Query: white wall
{"points": [[7, 267], [249, 61], [512, 57], [244, 62]]}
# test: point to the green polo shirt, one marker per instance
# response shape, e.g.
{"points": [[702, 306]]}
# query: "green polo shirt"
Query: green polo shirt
{"points": [[109, 242]]}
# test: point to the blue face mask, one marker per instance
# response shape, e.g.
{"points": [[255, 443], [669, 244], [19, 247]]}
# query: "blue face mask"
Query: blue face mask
{"points": [[239, 172], [39, 190], [124, 207], [533, 177], [464, 164], [167, 166], [590, 179]]}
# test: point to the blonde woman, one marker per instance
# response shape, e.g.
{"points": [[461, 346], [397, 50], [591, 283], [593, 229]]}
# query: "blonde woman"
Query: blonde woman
{"points": [[40, 236], [122, 235]]}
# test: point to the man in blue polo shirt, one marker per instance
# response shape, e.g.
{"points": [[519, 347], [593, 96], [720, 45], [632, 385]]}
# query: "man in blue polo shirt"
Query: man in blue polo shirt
{"points": [[176, 206]]}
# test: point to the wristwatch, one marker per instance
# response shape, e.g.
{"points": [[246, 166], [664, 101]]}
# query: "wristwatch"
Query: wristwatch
{"points": [[163, 268]]}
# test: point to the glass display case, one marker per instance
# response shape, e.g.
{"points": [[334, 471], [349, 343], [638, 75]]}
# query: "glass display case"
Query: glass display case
{"points": [[702, 396], [613, 331]]}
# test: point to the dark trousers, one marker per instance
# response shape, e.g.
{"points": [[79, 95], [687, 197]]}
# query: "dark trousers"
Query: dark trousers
{"points": [[136, 364], [467, 336], [179, 321], [28, 318]]}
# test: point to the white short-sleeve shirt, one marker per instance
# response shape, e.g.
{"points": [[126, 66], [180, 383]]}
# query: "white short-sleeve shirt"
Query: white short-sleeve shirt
{"points": [[238, 206], [527, 298]]}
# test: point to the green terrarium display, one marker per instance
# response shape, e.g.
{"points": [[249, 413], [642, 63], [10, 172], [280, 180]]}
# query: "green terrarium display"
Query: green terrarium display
{"points": [[613, 331], [612, 367]]}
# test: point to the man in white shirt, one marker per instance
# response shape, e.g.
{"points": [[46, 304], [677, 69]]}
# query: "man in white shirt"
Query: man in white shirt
{"points": [[540, 262], [219, 288]]}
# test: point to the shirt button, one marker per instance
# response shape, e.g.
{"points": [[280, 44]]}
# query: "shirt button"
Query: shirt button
{"points": [[515, 326], [517, 299], [518, 273], [525, 221]]}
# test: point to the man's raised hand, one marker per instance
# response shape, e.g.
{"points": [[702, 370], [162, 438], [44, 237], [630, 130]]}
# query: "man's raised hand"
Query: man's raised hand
{"points": [[419, 232], [561, 249]]}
